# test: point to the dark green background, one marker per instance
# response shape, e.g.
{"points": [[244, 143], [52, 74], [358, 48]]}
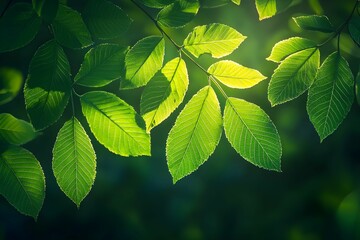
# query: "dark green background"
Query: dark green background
{"points": [[317, 196]]}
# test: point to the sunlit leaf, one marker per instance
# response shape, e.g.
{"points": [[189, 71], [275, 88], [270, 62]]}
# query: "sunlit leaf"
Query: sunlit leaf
{"points": [[15, 131], [102, 65], [179, 13], [237, 2], [216, 39], [293, 76], [195, 135], [289, 46], [74, 162], [164, 93], [22, 181], [105, 20], [234, 75], [156, 3], [70, 29], [252, 134], [10, 84], [115, 124], [331, 96], [354, 29], [142, 61], [18, 27], [46, 9], [265, 8], [47, 88], [314, 23]]}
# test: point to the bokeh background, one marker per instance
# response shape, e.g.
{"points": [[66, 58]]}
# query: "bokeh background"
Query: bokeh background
{"points": [[317, 195]]}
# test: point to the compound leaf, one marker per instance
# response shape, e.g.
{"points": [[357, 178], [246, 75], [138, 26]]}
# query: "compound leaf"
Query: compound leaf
{"points": [[46, 9], [74, 164], [314, 23], [252, 134], [10, 84], [331, 96], [115, 124], [47, 88], [195, 135], [266, 8]]}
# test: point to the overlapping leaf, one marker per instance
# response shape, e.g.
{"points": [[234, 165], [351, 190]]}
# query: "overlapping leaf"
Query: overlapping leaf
{"points": [[216, 39], [115, 124], [22, 180], [195, 135], [293, 76], [266, 8], [102, 65], [331, 96], [354, 29], [47, 88], [142, 61], [164, 93], [10, 84], [252, 134], [156, 3], [46, 9], [314, 23], [74, 162], [234, 75]]}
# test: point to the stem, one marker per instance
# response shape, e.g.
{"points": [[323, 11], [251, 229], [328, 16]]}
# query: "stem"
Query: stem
{"points": [[6, 7], [72, 103]]}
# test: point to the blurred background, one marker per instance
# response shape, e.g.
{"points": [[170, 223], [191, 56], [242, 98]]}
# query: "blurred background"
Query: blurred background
{"points": [[317, 195]]}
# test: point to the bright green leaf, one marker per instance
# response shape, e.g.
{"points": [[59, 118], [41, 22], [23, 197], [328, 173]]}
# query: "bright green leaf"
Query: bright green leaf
{"points": [[357, 88], [143, 60], [252, 134], [74, 162], [15, 131], [102, 65], [47, 88], [195, 135], [234, 75], [10, 84], [265, 8], [164, 93], [178, 14], [216, 39], [18, 27], [70, 29], [22, 181], [293, 76], [354, 29], [115, 124], [105, 20], [314, 23], [46, 9], [156, 3], [237, 2], [289, 46], [331, 96]]}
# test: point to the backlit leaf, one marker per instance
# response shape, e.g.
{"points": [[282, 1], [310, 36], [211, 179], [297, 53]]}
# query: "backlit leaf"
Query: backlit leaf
{"points": [[115, 124], [293, 76], [164, 93], [331, 96], [74, 162], [265, 8], [314, 23], [10, 84], [354, 29], [46, 9], [216, 39], [195, 135], [47, 88], [234, 75], [252, 134], [237, 2], [178, 13]]}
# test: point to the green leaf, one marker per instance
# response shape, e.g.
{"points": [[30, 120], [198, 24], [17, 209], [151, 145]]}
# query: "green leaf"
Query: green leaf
{"points": [[15, 131], [164, 93], [293, 76], [10, 84], [357, 88], [178, 14], [331, 96], [195, 135], [289, 46], [237, 2], [156, 3], [18, 27], [70, 29], [47, 88], [102, 65], [143, 60], [234, 75], [354, 29], [213, 3], [216, 39], [252, 134], [22, 181], [314, 23], [265, 8], [74, 162], [105, 20], [46, 9], [115, 124]]}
